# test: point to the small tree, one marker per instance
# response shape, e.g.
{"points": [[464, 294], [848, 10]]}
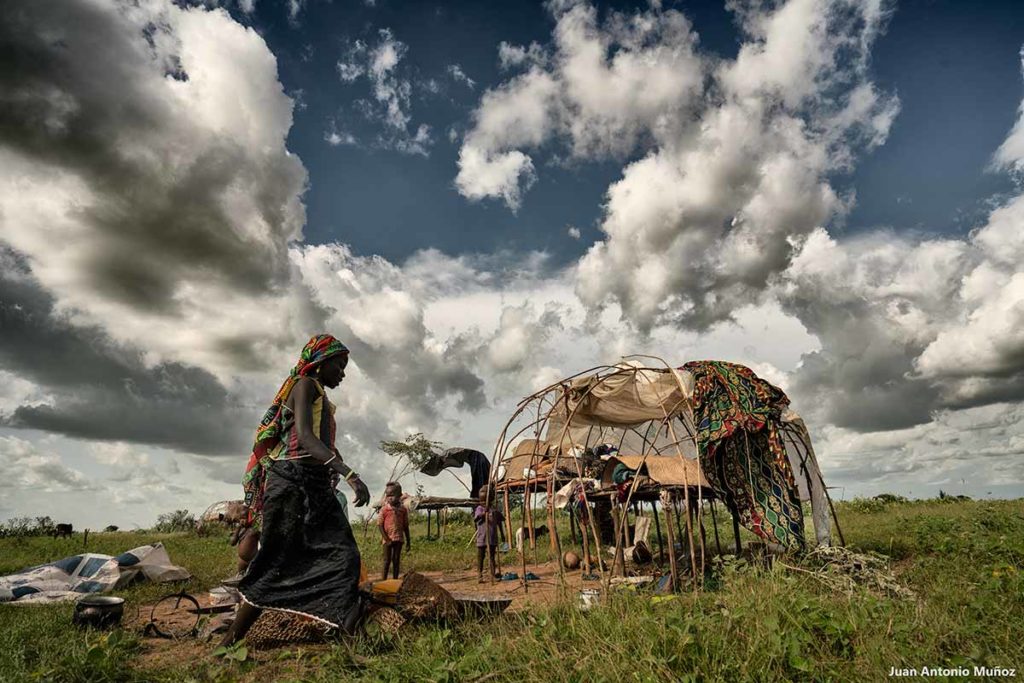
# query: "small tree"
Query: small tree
{"points": [[179, 520], [411, 454]]}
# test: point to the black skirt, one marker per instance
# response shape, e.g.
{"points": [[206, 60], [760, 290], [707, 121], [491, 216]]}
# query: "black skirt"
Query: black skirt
{"points": [[308, 562]]}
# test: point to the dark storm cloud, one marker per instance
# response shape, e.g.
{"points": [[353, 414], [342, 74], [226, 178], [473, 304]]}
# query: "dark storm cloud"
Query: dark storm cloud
{"points": [[88, 89], [103, 390]]}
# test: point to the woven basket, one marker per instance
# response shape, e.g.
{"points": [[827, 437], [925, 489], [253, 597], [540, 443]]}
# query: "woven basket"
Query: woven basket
{"points": [[388, 620], [421, 598], [274, 629]]}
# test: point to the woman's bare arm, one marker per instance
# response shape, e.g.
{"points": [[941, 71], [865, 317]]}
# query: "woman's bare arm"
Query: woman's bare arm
{"points": [[302, 397]]}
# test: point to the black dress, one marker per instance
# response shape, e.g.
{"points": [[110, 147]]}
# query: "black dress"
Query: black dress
{"points": [[308, 562]]}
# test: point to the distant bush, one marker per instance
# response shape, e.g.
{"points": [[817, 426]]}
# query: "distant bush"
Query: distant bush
{"points": [[17, 527], [179, 520], [865, 505], [890, 498]]}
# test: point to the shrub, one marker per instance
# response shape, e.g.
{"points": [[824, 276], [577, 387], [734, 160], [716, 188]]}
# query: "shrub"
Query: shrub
{"points": [[179, 520]]}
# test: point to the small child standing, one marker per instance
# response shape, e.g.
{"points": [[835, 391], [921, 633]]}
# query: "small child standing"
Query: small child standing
{"points": [[488, 520], [394, 525]]}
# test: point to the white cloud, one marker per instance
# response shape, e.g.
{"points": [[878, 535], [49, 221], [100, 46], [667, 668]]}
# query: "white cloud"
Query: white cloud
{"points": [[180, 214], [335, 137], [459, 76], [699, 226], [574, 232], [607, 89], [515, 56], [390, 90], [28, 467], [713, 248]]}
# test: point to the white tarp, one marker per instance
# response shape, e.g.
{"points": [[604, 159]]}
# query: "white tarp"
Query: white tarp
{"points": [[71, 577]]}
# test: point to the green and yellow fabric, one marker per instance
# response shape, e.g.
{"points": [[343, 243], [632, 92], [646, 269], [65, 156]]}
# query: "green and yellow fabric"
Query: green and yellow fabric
{"points": [[742, 453]]}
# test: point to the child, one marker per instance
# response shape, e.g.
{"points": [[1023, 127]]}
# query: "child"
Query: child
{"points": [[488, 520], [394, 525]]}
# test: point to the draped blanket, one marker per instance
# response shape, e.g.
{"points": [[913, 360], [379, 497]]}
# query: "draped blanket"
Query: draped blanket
{"points": [[742, 453]]}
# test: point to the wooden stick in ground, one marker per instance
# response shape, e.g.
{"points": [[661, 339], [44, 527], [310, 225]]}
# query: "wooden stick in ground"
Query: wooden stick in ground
{"points": [[530, 533], [552, 531], [556, 544], [657, 529], [572, 522], [686, 497], [508, 519], [714, 522], [666, 504], [703, 536], [522, 548], [619, 561]]}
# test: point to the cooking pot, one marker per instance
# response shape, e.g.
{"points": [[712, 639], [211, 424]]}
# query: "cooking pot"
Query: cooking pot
{"points": [[98, 611]]}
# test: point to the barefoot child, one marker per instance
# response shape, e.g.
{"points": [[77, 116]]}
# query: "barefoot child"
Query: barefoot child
{"points": [[394, 525], [488, 520]]}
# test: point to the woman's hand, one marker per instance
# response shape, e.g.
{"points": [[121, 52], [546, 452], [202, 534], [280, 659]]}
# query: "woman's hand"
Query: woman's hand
{"points": [[362, 493]]}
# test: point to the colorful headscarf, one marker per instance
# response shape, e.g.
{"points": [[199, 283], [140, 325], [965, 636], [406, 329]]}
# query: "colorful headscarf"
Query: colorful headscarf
{"points": [[268, 434]]}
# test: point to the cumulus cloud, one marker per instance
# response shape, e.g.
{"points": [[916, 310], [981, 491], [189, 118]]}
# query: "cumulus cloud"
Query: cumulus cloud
{"points": [[699, 226], [736, 154], [607, 88], [911, 326], [143, 172]]}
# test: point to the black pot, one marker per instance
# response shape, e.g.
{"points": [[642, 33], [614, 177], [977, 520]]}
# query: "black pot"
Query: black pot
{"points": [[99, 611]]}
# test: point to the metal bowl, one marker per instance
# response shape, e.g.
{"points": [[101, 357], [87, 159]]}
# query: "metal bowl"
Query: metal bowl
{"points": [[481, 605], [98, 611]]}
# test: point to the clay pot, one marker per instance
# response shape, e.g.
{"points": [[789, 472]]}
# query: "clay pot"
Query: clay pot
{"points": [[571, 560]]}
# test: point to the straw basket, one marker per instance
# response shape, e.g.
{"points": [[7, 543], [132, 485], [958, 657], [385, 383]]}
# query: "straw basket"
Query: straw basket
{"points": [[274, 629], [421, 598]]}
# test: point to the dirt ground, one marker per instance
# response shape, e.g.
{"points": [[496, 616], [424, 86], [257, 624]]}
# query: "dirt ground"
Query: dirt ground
{"points": [[548, 587], [174, 617]]}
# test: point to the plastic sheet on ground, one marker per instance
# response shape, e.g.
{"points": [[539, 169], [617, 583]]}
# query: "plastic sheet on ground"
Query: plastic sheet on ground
{"points": [[71, 577]]}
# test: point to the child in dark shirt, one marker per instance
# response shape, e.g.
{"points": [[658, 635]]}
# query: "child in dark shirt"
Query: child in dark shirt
{"points": [[394, 525], [488, 520]]}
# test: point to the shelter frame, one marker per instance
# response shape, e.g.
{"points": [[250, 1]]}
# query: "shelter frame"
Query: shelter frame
{"points": [[556, 416]]}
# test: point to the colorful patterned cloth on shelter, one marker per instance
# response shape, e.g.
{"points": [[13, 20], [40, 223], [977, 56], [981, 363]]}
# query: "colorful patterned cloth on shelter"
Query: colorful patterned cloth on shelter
{"points": [[741, 449], [268, 434]]}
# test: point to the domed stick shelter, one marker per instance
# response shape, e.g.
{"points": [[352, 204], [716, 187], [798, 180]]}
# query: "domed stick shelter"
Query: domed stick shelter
{"points": [[619, 435]]}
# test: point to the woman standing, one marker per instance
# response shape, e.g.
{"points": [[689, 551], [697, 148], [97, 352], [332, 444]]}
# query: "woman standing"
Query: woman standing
{"points": [[308, 562]]}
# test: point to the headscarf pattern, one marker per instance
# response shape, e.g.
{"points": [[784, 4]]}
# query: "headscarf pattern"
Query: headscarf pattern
{"points": [[268, 434]]}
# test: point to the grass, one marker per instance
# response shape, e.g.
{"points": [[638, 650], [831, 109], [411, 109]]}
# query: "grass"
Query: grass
{"points": [[962, 559]]}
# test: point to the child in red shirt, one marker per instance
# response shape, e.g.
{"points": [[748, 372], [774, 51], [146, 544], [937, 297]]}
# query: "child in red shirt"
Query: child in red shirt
{"points": [[394, 525]]}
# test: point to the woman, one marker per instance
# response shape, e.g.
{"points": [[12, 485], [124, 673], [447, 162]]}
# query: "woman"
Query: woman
{"points": [[307, 562]]}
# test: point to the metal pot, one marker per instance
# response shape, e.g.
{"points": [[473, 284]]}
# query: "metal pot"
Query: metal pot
{"points": [[98, 611]]}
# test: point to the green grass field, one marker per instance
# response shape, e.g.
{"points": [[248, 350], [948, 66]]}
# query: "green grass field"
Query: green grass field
{"points": [[963, 560]]}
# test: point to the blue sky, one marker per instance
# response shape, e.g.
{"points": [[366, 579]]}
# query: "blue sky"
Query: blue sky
{"points": [[954, 66], [482, 198]]}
